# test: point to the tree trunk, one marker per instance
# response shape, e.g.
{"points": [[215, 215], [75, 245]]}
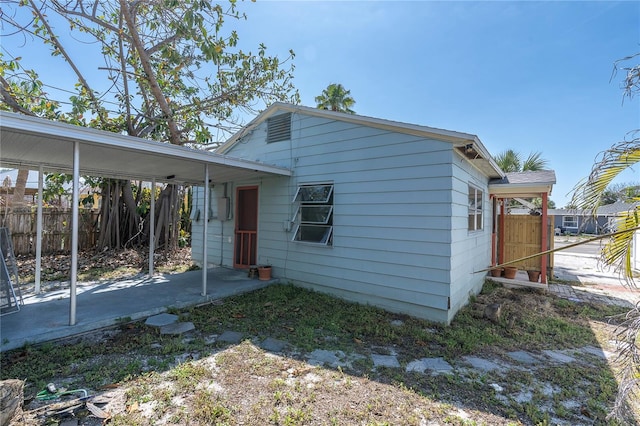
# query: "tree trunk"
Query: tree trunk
{"points": [[11, 399], [19, 188]]}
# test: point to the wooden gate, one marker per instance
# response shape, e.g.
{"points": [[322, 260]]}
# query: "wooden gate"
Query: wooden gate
{"points": [[523, 234]]}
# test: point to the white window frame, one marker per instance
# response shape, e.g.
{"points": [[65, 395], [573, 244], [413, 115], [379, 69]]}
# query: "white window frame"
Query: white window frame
{"points": [[573, 222], [314, 228], [476, 210]]}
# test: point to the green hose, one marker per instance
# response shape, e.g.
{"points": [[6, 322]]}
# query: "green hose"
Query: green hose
{"points": [[50, 392]]}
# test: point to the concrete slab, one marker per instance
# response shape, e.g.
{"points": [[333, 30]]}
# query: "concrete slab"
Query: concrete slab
{"points": [[107, 303], [524, 357], [230, 337], [435, 365], [273, 345], [389, 361], [329, 358], [161, 320], [484, 365], [177, 328], [559, 357], [599, 352]]}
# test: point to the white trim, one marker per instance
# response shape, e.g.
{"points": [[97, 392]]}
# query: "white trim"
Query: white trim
{"points": [[41, 132], [457, 138]]}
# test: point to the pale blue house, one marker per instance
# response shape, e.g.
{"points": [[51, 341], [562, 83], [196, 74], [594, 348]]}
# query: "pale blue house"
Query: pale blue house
{"points": [[380, 212]]}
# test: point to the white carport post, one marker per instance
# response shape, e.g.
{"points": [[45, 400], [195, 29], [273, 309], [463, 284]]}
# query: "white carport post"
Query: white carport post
{"points": [[75, 201], [204, 229], [39, 231], [152, 225]]}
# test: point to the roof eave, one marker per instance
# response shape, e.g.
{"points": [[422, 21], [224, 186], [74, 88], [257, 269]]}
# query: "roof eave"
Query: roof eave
{"points": [[458, 139]]}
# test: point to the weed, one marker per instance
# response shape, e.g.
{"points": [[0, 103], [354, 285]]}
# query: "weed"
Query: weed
{"points": [[209, 408], [185, 375]]}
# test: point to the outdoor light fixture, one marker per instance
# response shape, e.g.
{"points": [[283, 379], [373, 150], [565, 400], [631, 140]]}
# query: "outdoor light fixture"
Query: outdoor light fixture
{"points": [[171, 176]]}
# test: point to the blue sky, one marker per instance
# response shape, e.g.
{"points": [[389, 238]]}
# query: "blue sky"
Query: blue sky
{"points": [[528, 76]]}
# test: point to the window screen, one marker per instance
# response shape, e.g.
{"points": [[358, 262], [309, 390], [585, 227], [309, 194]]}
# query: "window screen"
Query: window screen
{"points": [[314, 214]]}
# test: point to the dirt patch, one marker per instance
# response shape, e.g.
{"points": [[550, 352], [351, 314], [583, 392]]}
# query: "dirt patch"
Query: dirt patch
{"points": [[94, 266]]}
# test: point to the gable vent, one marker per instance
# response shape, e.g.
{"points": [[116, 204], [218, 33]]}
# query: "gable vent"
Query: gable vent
{"points": [[279, 128]]}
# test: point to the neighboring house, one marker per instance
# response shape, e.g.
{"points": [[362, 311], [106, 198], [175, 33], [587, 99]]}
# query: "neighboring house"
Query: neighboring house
{"points": [[379, 212], [572, 221]]}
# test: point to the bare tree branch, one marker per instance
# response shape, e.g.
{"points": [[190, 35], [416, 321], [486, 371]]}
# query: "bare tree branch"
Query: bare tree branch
{"points": [[54, 39], [174, 132]]}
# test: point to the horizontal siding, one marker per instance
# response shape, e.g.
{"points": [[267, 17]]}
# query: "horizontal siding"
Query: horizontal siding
{"points": [[392, 305], [470, 250], [393, 221]]}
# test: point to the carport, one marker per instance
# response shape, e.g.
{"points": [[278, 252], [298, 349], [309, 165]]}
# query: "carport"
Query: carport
{"points": [[53, 147]]}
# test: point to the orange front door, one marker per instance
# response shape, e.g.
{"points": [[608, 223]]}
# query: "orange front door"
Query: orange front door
{"points": [[246, 233]]}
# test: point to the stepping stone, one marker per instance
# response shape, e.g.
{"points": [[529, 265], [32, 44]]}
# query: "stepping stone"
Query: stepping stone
{"points": [[599, 352], [230, 337], [436, 365], [209, 340], [497, 387], [273, 345], [559, 357], [161, 320], [523, 357], [483, 364], [324, 357], [385, 361], [177, 328]]}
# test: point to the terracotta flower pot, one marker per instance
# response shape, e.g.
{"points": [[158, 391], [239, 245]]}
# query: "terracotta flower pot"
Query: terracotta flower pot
{"points": [[534, 276], [496, 272], [510, 272], [264, 272]]}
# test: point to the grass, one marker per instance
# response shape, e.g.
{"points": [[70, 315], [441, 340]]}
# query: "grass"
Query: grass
{"points": [[188, 381]]}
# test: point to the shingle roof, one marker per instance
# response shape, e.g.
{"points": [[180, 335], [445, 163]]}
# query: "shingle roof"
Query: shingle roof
{"points": [[606, 210], [540, 177]]}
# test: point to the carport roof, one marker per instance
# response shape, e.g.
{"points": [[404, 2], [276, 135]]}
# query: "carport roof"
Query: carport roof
{"points": [[32, 142]]}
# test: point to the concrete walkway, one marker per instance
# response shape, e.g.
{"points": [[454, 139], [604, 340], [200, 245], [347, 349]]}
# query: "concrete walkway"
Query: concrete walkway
{"points": [[580, 277], [101, 304]]}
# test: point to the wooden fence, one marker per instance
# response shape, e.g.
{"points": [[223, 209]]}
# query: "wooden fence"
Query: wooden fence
{"points": [[56, 230], [522, 238]]}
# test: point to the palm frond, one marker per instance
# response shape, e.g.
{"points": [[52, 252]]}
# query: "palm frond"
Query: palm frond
{"points": [[618, 250], [612, 162], [508, 161], [534, 162]]}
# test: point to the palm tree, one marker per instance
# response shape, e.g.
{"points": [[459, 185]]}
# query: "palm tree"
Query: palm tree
{"points": [[336, 98], [617, 252], [509, 161], [588, 194], [534, 162]]}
